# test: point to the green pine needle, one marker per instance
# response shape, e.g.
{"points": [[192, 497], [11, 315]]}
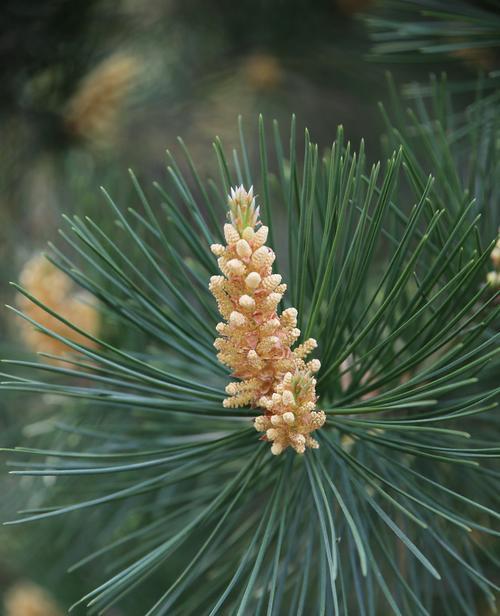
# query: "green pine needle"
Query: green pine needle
{"points": [[387, 266]]}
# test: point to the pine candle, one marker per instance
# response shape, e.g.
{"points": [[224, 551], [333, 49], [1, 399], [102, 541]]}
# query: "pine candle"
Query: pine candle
{"points": [[255, 341]]}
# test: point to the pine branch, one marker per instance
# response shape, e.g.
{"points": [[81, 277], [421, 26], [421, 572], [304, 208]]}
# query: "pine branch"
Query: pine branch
{"points": [[178, 496]]}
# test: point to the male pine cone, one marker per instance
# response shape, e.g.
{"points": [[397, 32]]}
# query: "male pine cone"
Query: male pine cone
{"points": [[255, 342]]}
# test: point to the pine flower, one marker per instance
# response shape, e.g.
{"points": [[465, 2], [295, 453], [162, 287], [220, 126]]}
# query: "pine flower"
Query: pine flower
{"points": [[53, 288], [495, 255], [92, 111], [262, 71], [28, 599], [493, 277], [255, 341]]}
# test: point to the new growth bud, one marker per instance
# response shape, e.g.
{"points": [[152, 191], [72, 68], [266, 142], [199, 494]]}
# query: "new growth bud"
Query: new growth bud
{"points": [[255, 341]]}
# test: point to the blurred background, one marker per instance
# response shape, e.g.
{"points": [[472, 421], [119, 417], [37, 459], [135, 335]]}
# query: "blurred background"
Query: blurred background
{"points": [[90, 88]]}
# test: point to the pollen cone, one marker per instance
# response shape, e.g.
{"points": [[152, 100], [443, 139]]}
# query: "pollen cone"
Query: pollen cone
{"points": [[256, 340]]}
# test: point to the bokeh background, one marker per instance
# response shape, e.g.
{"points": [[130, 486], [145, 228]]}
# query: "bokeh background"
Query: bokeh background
{"points": [[90, 88]]}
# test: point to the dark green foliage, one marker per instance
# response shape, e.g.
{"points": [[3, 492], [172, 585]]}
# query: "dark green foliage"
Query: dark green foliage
{"points": [[396, 511], [421, 30]]}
